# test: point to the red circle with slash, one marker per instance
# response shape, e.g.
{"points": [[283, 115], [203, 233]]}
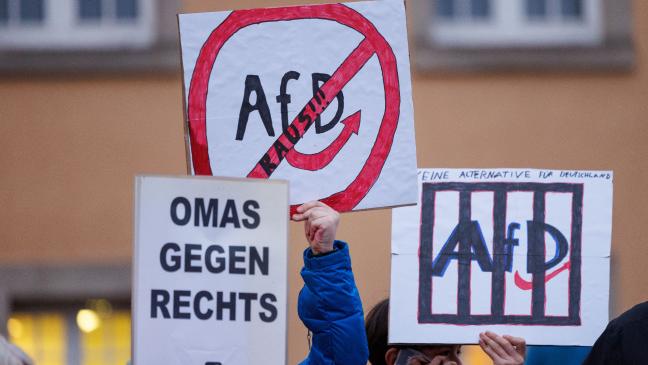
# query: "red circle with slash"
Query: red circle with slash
{"points": [[348, 198]]}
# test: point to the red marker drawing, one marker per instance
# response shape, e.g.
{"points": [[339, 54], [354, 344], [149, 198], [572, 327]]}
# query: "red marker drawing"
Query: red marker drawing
{"points": [[373, 45], [318, 161], [527, 285]]}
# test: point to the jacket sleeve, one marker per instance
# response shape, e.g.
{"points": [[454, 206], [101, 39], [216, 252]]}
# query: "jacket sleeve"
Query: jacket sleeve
{"points": [[330, 307]]}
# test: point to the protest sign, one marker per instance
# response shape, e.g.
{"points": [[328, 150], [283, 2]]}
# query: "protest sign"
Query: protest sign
{"points": [[210, 263], [307, 94], [522, 252]]}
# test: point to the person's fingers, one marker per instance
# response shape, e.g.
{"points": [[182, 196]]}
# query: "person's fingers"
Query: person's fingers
{"points": [[504, 343], [484, 343], [302, 216], [312, 204], [320, 221], [519, 343], [317, 237], [313, 232], [492, 354], [307, 230], [437, 360], [309, 214]]}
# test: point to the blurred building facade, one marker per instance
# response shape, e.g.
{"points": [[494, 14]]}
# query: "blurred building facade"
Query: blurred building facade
{"points": [[91, 95]]}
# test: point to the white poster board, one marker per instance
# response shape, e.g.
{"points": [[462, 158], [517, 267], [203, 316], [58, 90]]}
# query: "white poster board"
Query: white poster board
{"points": [[514, 251], [210, 263], [307, 94]]}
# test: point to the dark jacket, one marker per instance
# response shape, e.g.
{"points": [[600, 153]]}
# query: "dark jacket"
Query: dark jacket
{"points": [[330, 307], [624, 341]]}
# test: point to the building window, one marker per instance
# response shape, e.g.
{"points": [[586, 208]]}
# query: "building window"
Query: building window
{"points": [[471, 34], [22, 12], [519, 23], [77, 24], [561, 10], [31, 11], [90, 9], [465, 10], [108, 10], [126, 9], [96, 333], [4, 11]]}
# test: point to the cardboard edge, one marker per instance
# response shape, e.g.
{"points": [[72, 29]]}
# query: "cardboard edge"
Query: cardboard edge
{"points": [[288, 220], [185, 117], [138, 180]]}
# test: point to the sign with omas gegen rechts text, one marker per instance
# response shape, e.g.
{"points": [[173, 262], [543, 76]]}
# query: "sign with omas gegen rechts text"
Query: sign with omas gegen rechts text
{"points": [[210, 271]]}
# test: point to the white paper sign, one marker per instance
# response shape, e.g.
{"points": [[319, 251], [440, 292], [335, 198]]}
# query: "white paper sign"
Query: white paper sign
{"points": [[210, 264], [520, 252], [307, 94]]}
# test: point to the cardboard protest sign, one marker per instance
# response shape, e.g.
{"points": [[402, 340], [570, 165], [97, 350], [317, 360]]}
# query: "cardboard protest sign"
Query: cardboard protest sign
{"points": [[210, 261], [307, 94], [521, 252]]}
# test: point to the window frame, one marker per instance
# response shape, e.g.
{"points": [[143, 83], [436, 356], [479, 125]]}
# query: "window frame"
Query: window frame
{"points": [[156, 51], [47, 284], [614, 50]]}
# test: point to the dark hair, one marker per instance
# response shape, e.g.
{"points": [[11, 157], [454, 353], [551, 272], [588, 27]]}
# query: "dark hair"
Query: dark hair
{"points": [[376, 326]]}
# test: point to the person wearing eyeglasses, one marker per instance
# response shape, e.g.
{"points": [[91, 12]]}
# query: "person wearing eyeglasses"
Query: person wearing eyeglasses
{"points": [[503, 350]]}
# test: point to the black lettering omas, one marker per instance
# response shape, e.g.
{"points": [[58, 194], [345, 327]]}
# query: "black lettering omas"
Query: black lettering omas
{"points": [[253, 219], [177, 212], [230, 216], [208, 213]]}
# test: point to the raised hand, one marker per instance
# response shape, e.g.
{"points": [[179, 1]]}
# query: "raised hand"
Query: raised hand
{"points": [[320, 225]]}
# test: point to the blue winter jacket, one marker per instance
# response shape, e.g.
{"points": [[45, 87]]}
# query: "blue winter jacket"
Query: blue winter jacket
{"points": [[330, 307]]}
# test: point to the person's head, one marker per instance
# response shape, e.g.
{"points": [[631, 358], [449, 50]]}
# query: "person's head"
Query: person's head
{"points": [[381, 353]]}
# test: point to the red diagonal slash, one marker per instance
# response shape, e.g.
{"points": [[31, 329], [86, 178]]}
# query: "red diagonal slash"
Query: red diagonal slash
{"points": [[318, 161], [527, 285], [295, 131]]}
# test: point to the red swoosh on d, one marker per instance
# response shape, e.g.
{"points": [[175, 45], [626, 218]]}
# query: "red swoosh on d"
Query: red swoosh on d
{"points": [[527, 285]]}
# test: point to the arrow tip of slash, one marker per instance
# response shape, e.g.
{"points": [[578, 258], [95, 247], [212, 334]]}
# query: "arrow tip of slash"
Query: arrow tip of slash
{"points": [[353, 122]]}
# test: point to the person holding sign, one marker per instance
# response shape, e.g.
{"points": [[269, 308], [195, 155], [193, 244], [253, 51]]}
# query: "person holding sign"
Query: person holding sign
{"points": [[329, 303], [503, 350]]}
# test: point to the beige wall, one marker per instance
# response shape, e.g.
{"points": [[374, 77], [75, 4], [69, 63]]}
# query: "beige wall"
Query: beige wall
{"points": [[69, 148]]}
